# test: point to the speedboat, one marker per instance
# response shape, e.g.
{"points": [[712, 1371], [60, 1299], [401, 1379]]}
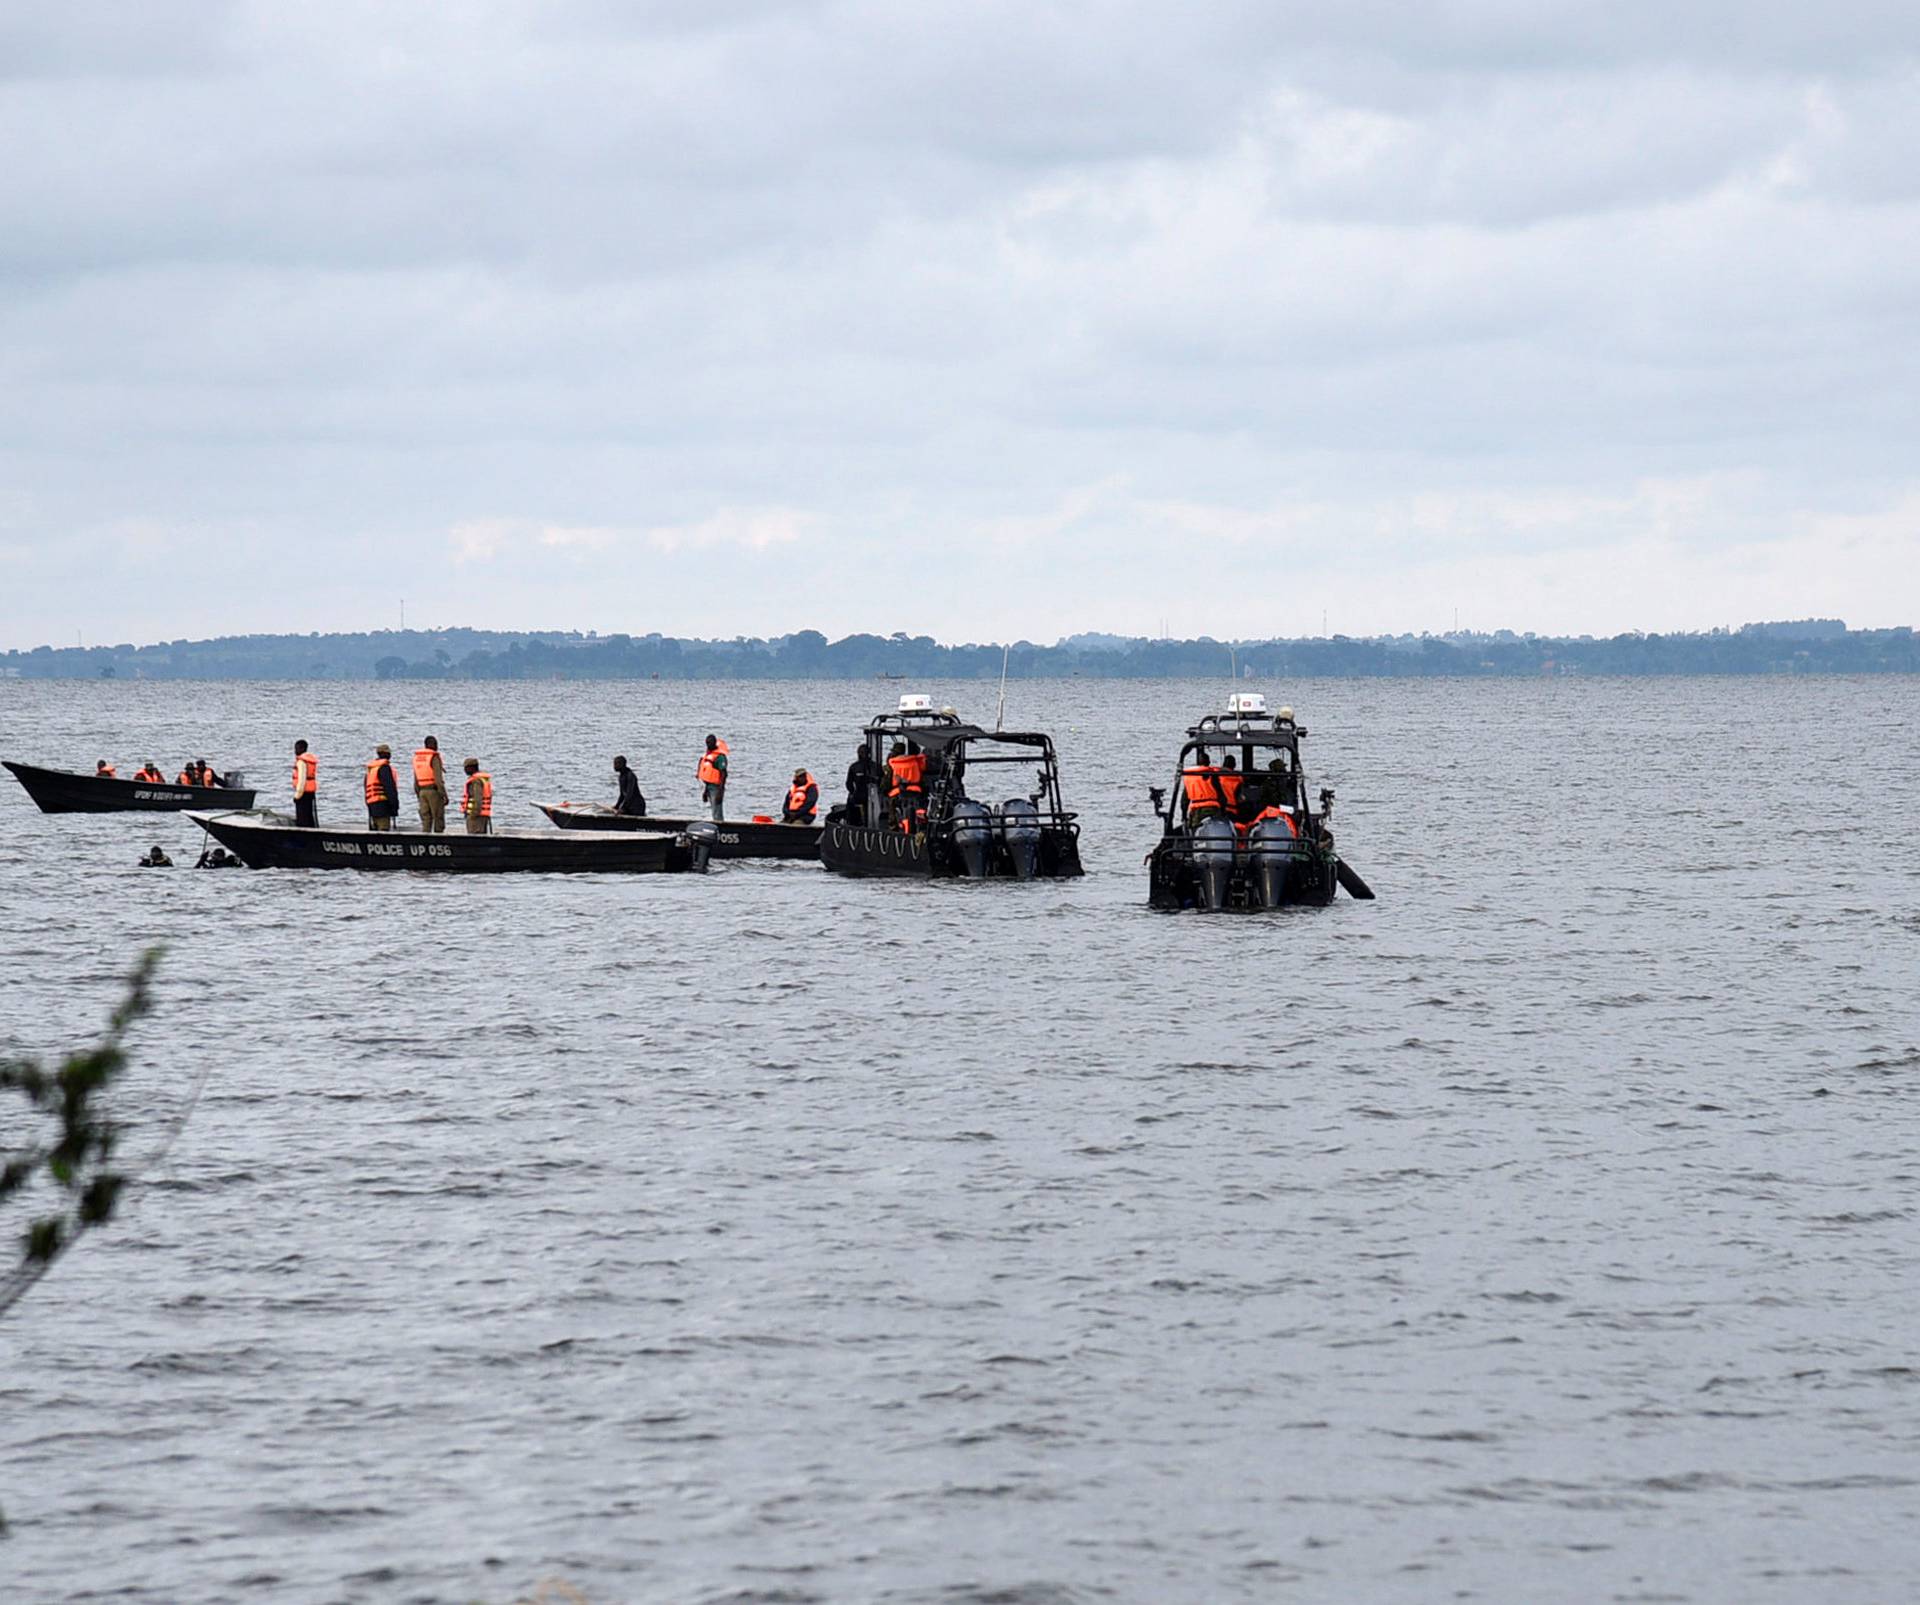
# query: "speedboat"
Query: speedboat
{"points": [[1239, 834], [988, 805]]}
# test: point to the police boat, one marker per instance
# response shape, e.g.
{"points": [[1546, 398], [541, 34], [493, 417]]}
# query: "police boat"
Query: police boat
{"points": [[262, 838], [56, 791], [941, 799], [1240, 835], [744, 838]]}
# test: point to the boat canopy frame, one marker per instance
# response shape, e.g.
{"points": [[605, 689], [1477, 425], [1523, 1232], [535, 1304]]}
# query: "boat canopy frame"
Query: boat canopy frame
{"points": [[938, 735], [1251, 733]]}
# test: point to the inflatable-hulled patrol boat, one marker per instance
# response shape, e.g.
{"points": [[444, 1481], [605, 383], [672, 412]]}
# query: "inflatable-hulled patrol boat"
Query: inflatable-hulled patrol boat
{"points": [[943, 799], [1240, 834]]}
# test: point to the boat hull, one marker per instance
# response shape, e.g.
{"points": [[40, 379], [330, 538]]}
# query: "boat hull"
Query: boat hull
{"points": [[56, 791], [273, 842], [882, 850], [735, 839], [1178, 879]]}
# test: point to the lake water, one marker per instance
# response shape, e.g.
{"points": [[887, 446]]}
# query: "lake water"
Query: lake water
{"points": [[1542, 1231]]}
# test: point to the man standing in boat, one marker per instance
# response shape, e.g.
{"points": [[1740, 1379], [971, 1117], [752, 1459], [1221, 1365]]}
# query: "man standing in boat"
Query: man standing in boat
{"points": [[430, 786], [713, 777], [306, 786], [1201, 781], [383, 790], [477, 804], [860, 778], [631, 801], [907, 784]]}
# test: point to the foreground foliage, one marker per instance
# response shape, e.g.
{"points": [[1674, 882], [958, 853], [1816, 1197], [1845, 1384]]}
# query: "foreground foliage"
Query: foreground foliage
{"points": [[70, 1143]]}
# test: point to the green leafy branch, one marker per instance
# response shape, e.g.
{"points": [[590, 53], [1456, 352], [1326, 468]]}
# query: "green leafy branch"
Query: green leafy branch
{"points": [[75, 1156]]}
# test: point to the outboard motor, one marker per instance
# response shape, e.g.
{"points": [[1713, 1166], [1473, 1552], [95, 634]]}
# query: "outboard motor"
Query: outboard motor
{"points": [[972, 836], [1020, 830], [701, 837], [1214, 840], [1274, 850]]}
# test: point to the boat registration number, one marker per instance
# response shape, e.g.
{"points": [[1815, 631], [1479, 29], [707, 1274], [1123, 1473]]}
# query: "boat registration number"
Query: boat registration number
{"points": [[389, 849]]}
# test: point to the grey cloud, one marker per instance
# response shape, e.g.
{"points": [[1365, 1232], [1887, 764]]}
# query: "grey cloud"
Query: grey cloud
{"points": [[302, 291]]}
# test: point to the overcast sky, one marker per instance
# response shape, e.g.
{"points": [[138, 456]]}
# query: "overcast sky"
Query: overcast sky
{"points": [[977, 319]]}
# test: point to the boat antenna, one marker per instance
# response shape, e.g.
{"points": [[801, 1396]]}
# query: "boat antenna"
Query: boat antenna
{"points": [[1000, 712]]}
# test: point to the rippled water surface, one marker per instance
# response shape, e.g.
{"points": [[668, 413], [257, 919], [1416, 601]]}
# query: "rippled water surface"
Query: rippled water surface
{"points": [[1542, 1231]]}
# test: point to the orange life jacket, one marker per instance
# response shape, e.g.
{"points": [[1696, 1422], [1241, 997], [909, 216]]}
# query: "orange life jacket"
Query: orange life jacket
{"points": [[1229, 782], [149, 773], [106, 771], [186, 777], [486, 795], [376, 793], [710, 773], [1277, 813], [423, 766], [1202, 792], [306, 775], [797, 794], [909, 773]]}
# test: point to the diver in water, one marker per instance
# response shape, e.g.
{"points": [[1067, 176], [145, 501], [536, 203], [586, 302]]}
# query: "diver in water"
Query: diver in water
{"points": [[156, 860]]}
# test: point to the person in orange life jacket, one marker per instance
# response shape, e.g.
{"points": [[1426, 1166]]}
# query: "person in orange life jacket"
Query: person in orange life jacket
{"points": [[631, 799], [907, 783], [712, 774], [104, 770], [151, 774], [1227, 781], [477, 804], [1201, 782], [1277, 811], [430, 786], [383, 790], [306, 786], [803, 800]]}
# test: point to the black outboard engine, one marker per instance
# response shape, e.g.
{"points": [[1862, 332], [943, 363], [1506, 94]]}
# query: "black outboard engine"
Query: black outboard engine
{"points": [[1020, 830], [1214, 840], [1275, 852], [701, 837], [972, 836]]}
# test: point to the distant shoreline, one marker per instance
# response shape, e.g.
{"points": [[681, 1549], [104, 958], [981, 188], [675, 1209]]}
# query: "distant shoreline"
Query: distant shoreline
{"points": [[1806, 646]]}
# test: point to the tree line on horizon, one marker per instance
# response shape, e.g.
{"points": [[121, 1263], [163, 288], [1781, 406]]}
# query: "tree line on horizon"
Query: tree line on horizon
{"points": [[1808, 646]]}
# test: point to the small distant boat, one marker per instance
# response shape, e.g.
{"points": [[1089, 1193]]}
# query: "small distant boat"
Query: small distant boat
{"points": [[732, 838], [265, 840], [56, 791], [1257, 843], [1025, 837], [889, 677]]}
